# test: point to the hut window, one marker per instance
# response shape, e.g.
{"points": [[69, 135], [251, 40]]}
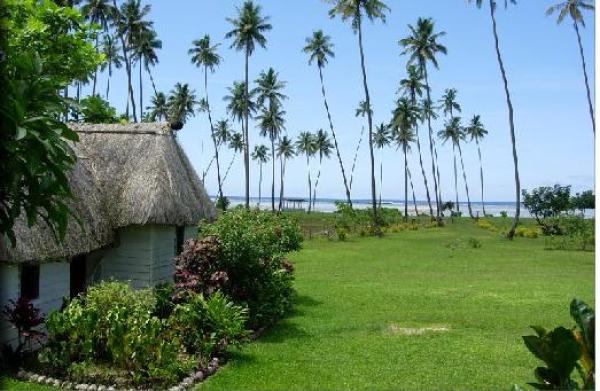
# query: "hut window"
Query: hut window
{"points": [[78, 275], [30, 281], [179, 239]]}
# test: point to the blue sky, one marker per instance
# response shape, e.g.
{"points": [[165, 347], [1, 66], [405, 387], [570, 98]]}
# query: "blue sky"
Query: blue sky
{"points": [[554, 135]]}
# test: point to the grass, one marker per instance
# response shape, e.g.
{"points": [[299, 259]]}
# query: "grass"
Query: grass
{"points": [[422, 309], [7, 383], [414, 310]]}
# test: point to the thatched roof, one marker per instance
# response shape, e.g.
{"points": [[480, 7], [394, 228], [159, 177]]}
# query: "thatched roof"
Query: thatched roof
{"points": [[134, 174]]}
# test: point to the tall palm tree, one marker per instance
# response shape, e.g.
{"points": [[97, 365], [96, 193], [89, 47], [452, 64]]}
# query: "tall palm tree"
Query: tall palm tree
{"points": [[130, 22], [381, 139], [320, 48], [422, 47], [238, 105], [404, 119], [268, 90], [159, 108], [324, 147], [454, 131], [236, 144], [205, 55], [272, 124], [413, 86], [98, 12], [449, 103], [222, 135], [574, 9], [306, 145], [412, 188], [477, 132], [451, 132], [110, 49], [493, 5], [285, 151], [182, 104], [261, 155], [248, 30], [353, 10], [144, 52], [429, 113]]}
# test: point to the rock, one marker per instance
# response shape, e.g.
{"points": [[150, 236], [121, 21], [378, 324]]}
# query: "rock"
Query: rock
{"points": [[56, 383], [111, 388], [198, 376], [101, 388], [22, 374], [81, 387], [215, 361], [92, 387], [40, 379]]}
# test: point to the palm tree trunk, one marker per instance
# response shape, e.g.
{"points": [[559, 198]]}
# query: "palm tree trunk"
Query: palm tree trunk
{"points": [[108, 79], [282, 173], [587, 84], [273, 182], [309, 183], [212, 130], [370, 121], [462, 163], [317, 182], [431, 149], [141, 92], [77, 96], [413, 193], [481, 175], [246, 141], [260, 184], [511, 121], [229, 167], [95, 70], [151, 80], [66, 95], [380, 180], [414, 100], [337, 149], [405, 184], [362, 132], [455, 177]]}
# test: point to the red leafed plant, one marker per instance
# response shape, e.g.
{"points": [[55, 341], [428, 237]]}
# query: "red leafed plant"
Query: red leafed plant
{"points": [[24, 316]]}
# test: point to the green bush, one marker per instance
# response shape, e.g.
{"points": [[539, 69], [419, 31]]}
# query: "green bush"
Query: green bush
{"points": [[252, 248], [360, 221]]}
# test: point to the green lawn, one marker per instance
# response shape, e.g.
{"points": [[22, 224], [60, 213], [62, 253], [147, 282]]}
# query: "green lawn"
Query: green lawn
{"points": [[358, 300]]}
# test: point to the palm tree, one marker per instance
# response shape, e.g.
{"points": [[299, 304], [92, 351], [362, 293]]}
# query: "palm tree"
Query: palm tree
{"points": [[454, 131], [261, 155], [324, 147], [413, 86], [306, 145], [248, 30], [99, 12], [285, 151], [236, 143], [448, 102], [182, 102], [381, 139], [205, 55], [493, 4], [429, 113], [477, 132], [320, 48], [268, 89], [159, 108], [404, 119], [110, 49], [144, 52], [412, 188], [130, 22], [353, 10], [272, 123], [574, 9], [451, 132], [422, 47]]}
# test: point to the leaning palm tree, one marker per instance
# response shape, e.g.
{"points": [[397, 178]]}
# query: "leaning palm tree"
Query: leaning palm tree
{"points": [[248, 30], [493, 5], [477, 132], [159, 108], [404, 119], [236, 144], [422, 47], [285, 151], [320, 48], [110, 49], [381, 139], [449, 103], [573, 8], [413, 86], [271, 122], [144, 53], [324, 147], [354, 10], [306, 145], [261, 155], [99, 12], [205, 55], [182, 104], [454, 131]]}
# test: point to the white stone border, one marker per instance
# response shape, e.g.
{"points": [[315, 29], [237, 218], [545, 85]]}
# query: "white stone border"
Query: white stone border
{"points": [[186, 383]]}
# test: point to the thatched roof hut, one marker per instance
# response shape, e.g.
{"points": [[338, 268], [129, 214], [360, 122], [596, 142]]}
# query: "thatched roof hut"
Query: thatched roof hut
{"points": [[134, 174]]}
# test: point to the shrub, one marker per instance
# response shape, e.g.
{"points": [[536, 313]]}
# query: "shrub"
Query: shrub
{"points": [[24, 317], [342, 233], [252, 245], [222, 203], [485, 224], [96, 110], [474, 243], [503, 214], [546, 204], [360, 221], [526, 232]]}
